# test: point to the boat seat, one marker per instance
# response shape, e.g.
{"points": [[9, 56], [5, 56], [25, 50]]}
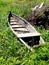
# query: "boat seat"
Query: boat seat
{"points": [[13, 20], [28, 35], [17, 26], [15, 23], [21, 30]]}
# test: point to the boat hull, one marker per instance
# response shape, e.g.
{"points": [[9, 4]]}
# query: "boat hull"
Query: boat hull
{"points": [[26, 33]]}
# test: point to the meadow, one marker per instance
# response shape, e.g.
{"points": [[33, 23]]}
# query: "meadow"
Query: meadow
{"points": [[12, 51]]}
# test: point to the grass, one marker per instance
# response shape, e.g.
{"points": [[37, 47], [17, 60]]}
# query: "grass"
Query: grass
{"points": [[12, 51]]}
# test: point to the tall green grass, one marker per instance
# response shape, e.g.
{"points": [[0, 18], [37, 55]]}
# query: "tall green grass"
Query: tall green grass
{"points": [[12, 51]]}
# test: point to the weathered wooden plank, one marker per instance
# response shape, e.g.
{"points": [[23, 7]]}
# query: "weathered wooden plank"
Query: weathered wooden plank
{"points": [[17, 26], [28, 35], [22, 29], [13, 20], [15, 23]]}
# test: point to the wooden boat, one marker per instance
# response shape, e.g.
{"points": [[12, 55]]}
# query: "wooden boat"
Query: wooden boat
{"points": [[24, 31]]}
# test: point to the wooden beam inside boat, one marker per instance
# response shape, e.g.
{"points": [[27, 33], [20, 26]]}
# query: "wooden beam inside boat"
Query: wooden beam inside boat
{"points": [[15, 23], [13, 20], [17, 26], [28, 35], [21, 29]]}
